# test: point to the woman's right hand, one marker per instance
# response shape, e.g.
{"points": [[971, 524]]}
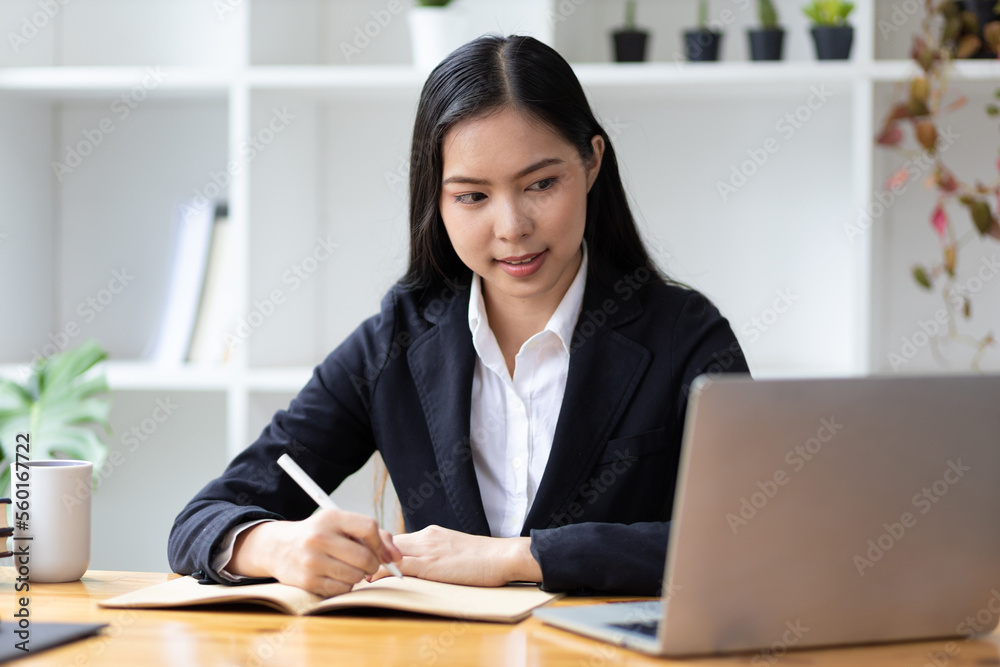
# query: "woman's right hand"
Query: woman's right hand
{"points": [[325, 554]]}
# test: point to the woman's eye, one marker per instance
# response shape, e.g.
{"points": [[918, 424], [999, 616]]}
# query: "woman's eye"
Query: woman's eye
{"points": [[543, 184], [470, 198]]}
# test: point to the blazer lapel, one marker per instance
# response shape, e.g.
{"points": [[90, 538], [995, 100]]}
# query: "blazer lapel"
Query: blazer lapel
{"points": [[442, 362], [604, 370]]}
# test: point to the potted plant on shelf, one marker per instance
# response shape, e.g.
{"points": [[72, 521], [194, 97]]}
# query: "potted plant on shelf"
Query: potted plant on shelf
{"points": [[703, 43], [435, 31], [630, 42], [54, 405], [766, 41], [923, 105], [831, 33], [971, 22]]}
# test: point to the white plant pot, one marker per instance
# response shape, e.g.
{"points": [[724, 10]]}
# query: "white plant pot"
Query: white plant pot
{"points": [[434, 33]]}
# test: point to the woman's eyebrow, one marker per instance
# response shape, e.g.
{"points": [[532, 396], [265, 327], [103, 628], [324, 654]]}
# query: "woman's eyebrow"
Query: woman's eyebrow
{"points": [[541, 164]]}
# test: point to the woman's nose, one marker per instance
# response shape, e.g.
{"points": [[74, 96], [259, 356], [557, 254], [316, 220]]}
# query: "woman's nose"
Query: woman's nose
{"points": [[514, 220]]}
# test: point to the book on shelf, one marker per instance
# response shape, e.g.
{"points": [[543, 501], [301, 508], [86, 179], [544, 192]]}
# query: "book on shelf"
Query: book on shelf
{"points": [[216, 308], [506, 604], [192, 233]]}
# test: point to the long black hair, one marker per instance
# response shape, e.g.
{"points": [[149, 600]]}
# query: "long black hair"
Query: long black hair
{"points": [[489, 74]]}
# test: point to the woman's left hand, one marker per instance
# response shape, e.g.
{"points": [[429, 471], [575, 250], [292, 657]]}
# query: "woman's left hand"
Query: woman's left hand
{"points": [[440, 554]]}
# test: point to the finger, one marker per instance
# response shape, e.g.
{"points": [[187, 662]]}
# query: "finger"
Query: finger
{"points": [[395, 555], [347, 550], [328, 588], [379, 574], [325, 539], [318, 564], [337, 570], [365, 530], [406, 544]]}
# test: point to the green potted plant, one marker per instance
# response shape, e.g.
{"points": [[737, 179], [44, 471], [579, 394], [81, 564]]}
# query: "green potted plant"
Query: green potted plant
{"points": [[630, 42], [435, 31], [920, 111], [766, 41], [702, 43], [55, 405], [831, 33], [977, 18]]}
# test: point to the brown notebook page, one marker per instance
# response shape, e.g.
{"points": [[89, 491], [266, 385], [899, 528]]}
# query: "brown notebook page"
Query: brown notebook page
{"points": [[507, 604]]}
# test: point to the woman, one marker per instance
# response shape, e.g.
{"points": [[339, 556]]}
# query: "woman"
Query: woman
{"points": [[525, 383]]}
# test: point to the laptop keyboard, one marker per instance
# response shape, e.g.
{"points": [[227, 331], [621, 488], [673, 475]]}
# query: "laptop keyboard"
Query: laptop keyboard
{"points": [[647, 628]]}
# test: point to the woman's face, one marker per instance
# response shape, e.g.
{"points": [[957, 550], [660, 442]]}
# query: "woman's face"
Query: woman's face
{"points": [[514, 203]]}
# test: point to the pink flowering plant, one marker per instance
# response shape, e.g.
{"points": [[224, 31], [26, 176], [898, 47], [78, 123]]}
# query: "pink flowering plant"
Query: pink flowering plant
{"points": [[948, 32]]}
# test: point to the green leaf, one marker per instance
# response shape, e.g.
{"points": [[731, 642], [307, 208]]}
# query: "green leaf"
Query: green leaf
{"points": [[13, 396], [60, 369], [920, 275], [10, 425], [78, 443], [5, 474], [828, 12], [992, 109], [981, 216], [767, 13], [59, 403], [84, 387], [844, 10], [89, 411]]}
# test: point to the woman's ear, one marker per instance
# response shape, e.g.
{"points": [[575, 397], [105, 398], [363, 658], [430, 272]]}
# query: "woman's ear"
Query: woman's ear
{"points": [[594, 164]]}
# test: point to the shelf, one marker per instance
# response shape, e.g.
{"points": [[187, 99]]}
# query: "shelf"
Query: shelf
{"points": [[278, 379], [91, 82], [340, 77], [965, 70], [137, 375], [642, 76], [142, 376], [406, 80]]}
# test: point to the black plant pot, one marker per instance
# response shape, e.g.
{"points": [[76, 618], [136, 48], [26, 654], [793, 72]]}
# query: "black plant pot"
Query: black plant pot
{"points": [[766, 43], [983, 9], [833, 42], [630, 45], [702, 45]]}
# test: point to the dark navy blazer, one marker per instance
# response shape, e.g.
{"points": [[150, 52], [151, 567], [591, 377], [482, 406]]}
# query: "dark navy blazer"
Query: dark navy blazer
{"points": [[402, 384]]}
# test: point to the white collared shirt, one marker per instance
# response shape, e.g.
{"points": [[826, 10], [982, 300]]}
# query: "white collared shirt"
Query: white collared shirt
{"points": [[513, 420]]}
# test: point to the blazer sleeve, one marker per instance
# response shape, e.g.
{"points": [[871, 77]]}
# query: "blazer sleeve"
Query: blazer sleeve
{"points": [[628, 559], [326, 429]]}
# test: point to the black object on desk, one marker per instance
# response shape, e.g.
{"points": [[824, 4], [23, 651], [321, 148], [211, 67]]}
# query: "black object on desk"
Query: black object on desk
{"points": [[5, 530], [41, 636]]}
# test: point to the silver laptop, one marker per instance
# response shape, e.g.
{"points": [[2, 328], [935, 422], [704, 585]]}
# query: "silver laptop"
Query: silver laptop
{"points": [[817, 512]]}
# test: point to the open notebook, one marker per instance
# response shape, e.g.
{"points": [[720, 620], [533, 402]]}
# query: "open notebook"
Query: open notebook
{"points": [[507, 604]]}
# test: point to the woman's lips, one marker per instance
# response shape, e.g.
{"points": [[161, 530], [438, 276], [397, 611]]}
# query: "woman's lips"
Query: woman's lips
{"points": [[524, 265]]}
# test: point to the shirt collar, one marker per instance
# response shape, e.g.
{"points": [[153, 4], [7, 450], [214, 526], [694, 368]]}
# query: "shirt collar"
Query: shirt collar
{"points": [[563, 320]]}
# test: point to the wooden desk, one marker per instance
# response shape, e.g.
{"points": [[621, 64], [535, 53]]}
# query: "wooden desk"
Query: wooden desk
{"points": [[148, 638]]}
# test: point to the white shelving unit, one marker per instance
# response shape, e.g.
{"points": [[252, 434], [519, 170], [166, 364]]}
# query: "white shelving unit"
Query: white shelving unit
{"points": [[802, 297]]}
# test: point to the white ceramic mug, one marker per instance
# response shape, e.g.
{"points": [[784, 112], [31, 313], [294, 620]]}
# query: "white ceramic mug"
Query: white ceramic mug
{"points": [[51, 518]]}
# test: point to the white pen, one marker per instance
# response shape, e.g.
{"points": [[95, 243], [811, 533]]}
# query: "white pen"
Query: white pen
{"points": [[316, 493]]}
